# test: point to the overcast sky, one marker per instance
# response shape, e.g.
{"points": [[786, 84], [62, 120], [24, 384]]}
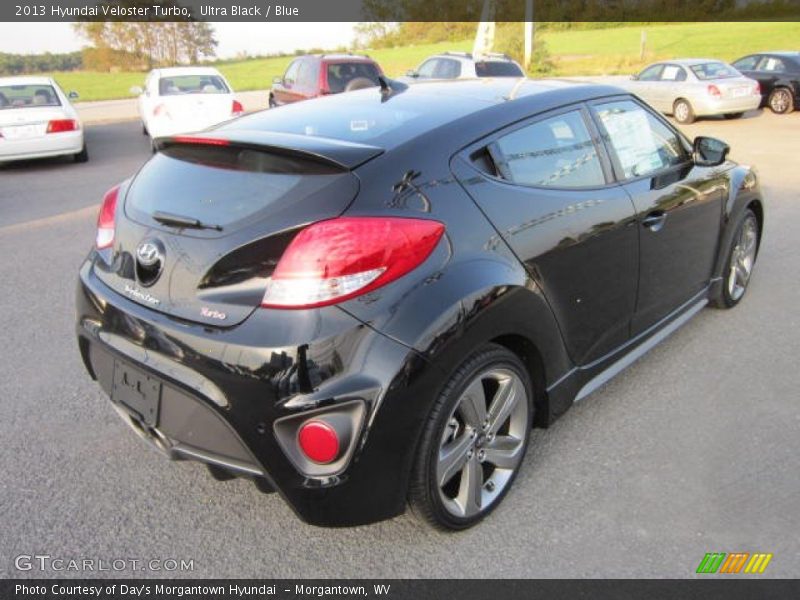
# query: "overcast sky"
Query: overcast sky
{"points": [[253, 38]]}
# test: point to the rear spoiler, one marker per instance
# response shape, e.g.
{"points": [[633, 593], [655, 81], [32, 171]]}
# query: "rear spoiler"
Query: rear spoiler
{"points": [[338, 153]]}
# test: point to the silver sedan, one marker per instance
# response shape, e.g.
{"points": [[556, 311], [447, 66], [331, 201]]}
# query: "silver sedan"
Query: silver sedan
{"points": [[696, 87]]}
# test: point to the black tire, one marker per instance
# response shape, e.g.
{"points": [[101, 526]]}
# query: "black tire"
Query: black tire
{"points": [[82, 156], [781, 101], [729, 295], [683, 112], [731, 116], [425, 492]]}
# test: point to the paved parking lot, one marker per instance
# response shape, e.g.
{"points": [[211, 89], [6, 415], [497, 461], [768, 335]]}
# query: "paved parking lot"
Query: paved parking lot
{"points": [[694, 449]]}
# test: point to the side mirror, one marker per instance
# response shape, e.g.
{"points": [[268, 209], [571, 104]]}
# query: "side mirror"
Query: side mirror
{"points": [[412, 73], [709, 152], [136, 90], [73, 95], [277, 80]]}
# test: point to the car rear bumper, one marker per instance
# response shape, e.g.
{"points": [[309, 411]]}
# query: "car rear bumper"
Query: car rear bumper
{"points": [[222, 393], [709, 106], [56, 144]]}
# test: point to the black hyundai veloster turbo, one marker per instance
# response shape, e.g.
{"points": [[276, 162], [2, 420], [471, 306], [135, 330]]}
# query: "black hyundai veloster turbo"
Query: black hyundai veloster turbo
{"points": [[368, 300]]}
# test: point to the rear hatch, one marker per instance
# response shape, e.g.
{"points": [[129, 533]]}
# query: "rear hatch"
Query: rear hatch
{"points": [[217, 213], [193, 112], [735, 87]]}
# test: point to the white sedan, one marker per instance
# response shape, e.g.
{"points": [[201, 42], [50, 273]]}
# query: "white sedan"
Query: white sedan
{"points": [[184, 100], [38, 121]]}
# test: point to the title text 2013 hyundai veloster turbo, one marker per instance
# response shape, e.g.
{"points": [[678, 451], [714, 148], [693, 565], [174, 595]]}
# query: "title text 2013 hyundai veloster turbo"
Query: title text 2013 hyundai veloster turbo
{"points": [[367, 301]]}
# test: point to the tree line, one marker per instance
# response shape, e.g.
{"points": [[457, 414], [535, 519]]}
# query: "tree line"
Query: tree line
{"points": [[17, 64]]}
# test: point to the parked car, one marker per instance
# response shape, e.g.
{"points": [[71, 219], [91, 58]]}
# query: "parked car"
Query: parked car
{"points": [[317, 75], [696, 87], [38, 121], [462, 65], [778, 74], [371, 298], [185, 99]]}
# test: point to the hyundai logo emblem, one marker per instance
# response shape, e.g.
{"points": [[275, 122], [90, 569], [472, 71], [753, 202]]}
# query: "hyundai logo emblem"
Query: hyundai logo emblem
{"points": [[149, 253]]}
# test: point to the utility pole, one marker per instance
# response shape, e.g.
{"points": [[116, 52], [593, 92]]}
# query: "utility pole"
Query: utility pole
{"points": [[484, 37], [528, 34]]}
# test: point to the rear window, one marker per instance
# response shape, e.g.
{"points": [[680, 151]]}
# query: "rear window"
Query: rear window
{"points": [[192, 84], [340, 74], [22, 96], [496, 68], [221, 185], [714, 70], [364, 117]]}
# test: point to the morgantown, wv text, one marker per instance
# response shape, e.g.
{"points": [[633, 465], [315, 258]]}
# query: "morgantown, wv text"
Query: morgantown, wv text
{"points": [[178, 591]]}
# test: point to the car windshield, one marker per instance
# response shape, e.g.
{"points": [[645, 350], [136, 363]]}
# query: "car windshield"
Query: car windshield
{"points": [[192, 84], [340, 74], [714, 70], [24, 96], [496, 68]]}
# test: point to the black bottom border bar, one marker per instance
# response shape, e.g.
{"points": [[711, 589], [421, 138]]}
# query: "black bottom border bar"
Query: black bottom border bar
{"points": [[727, 588]]}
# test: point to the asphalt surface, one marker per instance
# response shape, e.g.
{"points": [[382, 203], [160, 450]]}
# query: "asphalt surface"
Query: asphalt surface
{"points": [[693, 449]]}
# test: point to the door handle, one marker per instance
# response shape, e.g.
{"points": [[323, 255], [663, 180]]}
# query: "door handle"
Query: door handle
{"points": [[654, 221]]}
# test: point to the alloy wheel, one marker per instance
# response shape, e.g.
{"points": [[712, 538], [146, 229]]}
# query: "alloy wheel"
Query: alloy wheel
{"points": [[779, 101], [483, 442], [743, 257]]}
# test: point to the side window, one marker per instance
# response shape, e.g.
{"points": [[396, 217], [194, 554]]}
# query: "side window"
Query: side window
{"points": [[428, 68], [772, 64], [554, 152], [447, 69], [673, 73], [304, 75], [291, 73], [651, 73], [641, 141], [748, 63]]}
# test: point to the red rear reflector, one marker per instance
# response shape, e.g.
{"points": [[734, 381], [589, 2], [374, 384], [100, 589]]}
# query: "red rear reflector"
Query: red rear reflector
{"points": [[714, 90], [237, 108], [318, 441], [201, 141], [335, 260], [62, 125], [105, 220]]}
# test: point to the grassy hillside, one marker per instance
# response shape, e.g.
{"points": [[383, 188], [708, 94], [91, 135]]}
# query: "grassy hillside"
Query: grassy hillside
{"points": [[584, 52]]}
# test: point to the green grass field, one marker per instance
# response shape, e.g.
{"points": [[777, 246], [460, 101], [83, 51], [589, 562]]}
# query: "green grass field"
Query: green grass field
{"points": [[583, 52]]}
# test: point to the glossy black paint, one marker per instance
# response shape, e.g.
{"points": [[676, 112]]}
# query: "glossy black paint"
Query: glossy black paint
{"points": [[769, 80], [568, 280]]}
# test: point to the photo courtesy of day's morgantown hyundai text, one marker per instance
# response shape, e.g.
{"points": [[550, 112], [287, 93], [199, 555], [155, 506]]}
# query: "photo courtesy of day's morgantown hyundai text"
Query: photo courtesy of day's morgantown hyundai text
{"points": [[367, 301]]}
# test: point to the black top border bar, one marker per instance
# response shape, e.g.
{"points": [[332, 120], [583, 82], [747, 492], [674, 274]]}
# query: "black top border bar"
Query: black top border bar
{"points": [[397, 10]]}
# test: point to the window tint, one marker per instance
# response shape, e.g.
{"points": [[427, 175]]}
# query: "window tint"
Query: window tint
{"points": [[641, 141], [772, 64], [651, 73], [192, 84], [496, 68], [21, 96], [428, 68], [447, 69], [340, 74], [673, 73], [555, 152], [747, 63], [714, 70]]}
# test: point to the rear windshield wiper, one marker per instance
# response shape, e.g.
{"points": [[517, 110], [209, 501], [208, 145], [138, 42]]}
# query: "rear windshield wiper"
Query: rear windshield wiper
{"points": [[181, 221]]}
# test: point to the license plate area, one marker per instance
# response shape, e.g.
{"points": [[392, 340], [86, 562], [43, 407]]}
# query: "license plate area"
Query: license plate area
{"points": [[21, 132], [137, 391]]}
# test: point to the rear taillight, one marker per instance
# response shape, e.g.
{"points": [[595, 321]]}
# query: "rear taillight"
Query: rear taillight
{"points": [[757, 89], [237, 108], [335, 260], [62, 125], [105, 220], [199, 141], [714, 91]]}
